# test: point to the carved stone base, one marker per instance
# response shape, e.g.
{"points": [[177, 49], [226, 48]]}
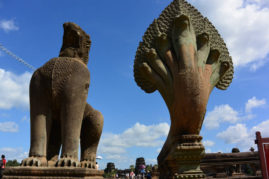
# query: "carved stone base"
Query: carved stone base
{"points": [[183, 159], [155, 174], [51, 173]]}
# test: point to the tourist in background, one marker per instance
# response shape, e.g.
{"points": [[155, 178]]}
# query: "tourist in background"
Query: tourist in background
{"points": [[143, 172], [4, 162], [96, 166], [2, 165], [148, 175], [132, 175]]}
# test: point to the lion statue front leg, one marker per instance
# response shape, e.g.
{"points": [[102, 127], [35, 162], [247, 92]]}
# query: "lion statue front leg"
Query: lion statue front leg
{"points": [[40, 114], [72, 109]]}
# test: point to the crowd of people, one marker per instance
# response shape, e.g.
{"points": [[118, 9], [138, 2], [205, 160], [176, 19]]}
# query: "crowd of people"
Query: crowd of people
{"points": [[142, 173], [132, 175], [145, 175]]}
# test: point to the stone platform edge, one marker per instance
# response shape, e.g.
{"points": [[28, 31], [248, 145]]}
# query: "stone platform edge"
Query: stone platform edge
{"points": [[51, 172]]}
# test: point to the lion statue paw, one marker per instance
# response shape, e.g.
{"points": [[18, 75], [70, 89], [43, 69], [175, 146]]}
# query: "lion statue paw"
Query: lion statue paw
{"points": [[88, 164], [34, 161], [67, 162]]}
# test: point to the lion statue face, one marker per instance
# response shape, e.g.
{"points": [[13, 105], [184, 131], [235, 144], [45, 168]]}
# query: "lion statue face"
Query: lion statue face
{"points": [[76, 43]]}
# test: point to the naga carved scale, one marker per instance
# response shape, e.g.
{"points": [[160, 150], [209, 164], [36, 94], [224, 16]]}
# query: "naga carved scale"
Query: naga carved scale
{"points": [[183, 57]]}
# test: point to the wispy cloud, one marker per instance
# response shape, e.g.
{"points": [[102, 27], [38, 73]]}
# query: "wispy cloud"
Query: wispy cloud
{"points": [[8, 25], [234, 134], [14, 90], [152, 161], [254, 103], [9, 127], [226, 114], [208, 143], [14, 153], [243, 137], [113, 146], [220, 114], [244, 27], [25, 119]]}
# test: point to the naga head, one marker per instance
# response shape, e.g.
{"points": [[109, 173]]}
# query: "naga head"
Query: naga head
{"points": [[76, 43], [183, 56], [159, 39]]}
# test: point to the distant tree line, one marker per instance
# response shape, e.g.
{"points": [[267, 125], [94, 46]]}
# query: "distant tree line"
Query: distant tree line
{"points": [[12, 163]]}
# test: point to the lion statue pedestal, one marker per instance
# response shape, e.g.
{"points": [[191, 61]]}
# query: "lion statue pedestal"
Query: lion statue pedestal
{"points": [[52, 173]]}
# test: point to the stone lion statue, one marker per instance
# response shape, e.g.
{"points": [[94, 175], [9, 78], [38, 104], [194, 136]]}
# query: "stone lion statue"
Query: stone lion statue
{"points": [[60, 115]]}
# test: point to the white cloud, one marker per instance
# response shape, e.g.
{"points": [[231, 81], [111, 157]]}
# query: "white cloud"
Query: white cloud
{"points": [[145, 136], [262, 127], [254, 103], [110, 149], [152, 161], [222, 113], [257, 65], [14, 90], [208, 143], [114, 145], [8, 25], [118, 157], [14, 153], [226, 114], [234, 134], [242, 137], [9, 127], [243, 25]]}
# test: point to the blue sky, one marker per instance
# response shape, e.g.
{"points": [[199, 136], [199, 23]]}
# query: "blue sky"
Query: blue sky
{"points": [[135, 123]]}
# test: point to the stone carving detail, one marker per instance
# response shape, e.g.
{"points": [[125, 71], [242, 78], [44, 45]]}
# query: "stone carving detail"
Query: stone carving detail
{"points": [[60, 115], [184, 58]]}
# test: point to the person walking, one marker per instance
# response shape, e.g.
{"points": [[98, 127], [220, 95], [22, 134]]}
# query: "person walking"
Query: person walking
{"points": [[2, 165]]}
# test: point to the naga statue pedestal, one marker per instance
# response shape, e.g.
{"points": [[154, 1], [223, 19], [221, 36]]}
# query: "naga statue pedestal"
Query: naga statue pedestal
{"points": [[52, 173], [183, 159]]}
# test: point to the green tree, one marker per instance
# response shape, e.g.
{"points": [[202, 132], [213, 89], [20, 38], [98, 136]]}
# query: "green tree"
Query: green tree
{"points": [[149, 167], [132, 168], [110, 174], [12, 163]]}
